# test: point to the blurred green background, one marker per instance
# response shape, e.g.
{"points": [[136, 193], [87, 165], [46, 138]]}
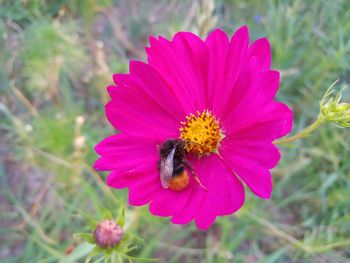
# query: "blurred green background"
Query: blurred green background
{"points": [[57, 57]]}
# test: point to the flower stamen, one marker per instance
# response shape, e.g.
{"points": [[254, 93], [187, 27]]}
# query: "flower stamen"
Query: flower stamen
{"points": [[201, 132]]}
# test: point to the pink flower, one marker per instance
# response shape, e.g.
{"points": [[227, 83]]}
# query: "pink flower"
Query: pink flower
{"points": [[216, 96]]}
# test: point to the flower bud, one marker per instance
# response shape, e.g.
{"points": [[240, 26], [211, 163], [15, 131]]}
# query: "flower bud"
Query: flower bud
{"points": [[108, 234], [333, 110]]}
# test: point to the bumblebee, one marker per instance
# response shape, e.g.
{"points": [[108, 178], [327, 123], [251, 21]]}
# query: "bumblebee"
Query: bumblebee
{"points": [[172, 163]]}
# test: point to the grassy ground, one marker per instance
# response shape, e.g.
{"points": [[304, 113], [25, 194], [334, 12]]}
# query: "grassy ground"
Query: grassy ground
{"points": [[56, 57]]}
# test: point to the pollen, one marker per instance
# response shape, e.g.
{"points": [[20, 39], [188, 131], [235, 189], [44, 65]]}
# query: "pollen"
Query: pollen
{"points": [[201, 133]]}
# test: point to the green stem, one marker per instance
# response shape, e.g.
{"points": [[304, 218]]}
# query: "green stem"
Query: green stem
{"points": [[274, 230], [279, 233], [304, 133]]}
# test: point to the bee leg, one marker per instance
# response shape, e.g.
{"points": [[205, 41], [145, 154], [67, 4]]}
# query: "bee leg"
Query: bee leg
{"points": [[189, 167], [199, 182]]}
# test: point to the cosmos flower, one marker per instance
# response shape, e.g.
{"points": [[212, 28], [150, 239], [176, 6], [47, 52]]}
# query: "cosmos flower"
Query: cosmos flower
{"points": [[214, 100]]}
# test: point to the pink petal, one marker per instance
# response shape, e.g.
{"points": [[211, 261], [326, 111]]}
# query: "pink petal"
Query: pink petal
{"points": [[257, 177], [256, 84], [265, 153], [218, 46], [243, 88], [125, 154], [268, 87], [134, 113], [136, 110], [261, 49], [150, 84], [120, 144], [167, 202], [225, 192], [260, 89], [123, 179], [268, 124], [182, 63], [143, 184], [134, 166], [145, 190], [120, 180], [197, 195], [188, 212], [126, 164], [226, 61]]}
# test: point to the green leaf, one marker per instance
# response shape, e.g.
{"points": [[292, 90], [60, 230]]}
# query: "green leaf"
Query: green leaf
{"points": [[121, 217], [96, 251]]}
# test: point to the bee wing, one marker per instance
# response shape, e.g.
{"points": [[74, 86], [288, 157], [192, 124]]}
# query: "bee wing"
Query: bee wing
{"points": [[167, 168]]}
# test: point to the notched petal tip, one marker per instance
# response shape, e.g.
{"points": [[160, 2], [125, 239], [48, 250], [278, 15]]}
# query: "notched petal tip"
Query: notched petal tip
{"points": [[134, 65], [111, 90], [155, 45], [155, 41], [275, 74], [204, 226], [118, 78], [112, 182], [261, 49], [108, 108], [217, 36], [156, 210], [139, 69], [152, 40], [217, 31], [265, 194], [288, 120], [97, 147], [98, 165], [261, 43], [243, 32], [185, 36]]}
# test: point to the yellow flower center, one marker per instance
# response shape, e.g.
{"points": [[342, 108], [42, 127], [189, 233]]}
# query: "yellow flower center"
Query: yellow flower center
{"points": [[201, 133]]}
